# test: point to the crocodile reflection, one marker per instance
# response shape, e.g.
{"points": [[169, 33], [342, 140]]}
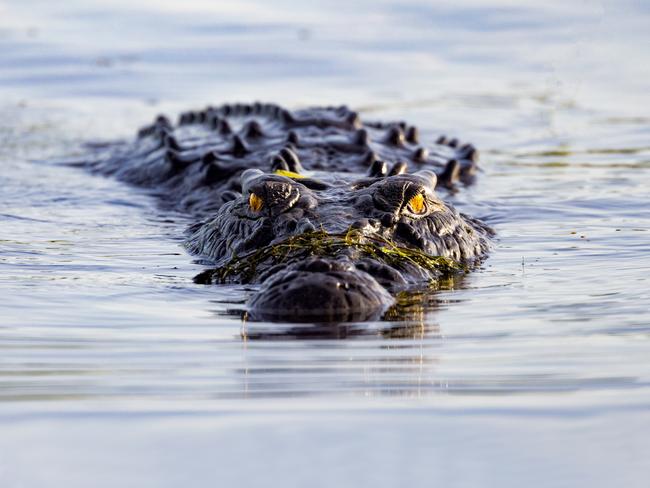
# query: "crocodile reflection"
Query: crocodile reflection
{"points": [[410, 317]]}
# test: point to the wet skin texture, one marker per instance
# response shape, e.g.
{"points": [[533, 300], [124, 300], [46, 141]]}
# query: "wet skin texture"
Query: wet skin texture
{"points": [[269, 186]]}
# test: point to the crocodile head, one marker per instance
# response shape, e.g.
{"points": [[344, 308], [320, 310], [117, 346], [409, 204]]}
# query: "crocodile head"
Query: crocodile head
{"points": [[336, 247]]}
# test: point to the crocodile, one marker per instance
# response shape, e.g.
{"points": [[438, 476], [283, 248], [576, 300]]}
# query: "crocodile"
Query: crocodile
{"points": [[329, 215]]}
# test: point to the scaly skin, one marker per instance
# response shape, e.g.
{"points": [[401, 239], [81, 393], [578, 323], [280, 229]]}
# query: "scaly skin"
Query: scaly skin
{"points": [[314, 205]]}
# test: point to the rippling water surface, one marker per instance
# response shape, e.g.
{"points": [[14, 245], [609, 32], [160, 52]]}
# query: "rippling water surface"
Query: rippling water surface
{"points": [[116, 370]]}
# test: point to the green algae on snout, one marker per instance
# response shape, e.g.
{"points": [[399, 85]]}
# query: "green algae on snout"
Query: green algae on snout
{"points": [[322, 243]]}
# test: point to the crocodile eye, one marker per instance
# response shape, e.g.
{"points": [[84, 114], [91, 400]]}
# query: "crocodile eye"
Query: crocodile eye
{"points": [[256, 203], [417, 204]]}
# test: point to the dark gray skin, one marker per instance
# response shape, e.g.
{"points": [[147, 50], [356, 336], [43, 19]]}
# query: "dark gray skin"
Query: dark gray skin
{"points": [[339, 177]]}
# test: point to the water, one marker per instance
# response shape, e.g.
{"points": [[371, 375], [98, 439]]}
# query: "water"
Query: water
{"points": [[117, 371]]}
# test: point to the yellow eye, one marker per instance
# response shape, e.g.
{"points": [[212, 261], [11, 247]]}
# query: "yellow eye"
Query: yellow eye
{"points": [[255, 202], [417, 204]]}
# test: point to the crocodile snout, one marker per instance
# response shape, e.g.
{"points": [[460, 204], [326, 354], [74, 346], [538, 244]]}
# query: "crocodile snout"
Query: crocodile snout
{"points": [[320, 289]]}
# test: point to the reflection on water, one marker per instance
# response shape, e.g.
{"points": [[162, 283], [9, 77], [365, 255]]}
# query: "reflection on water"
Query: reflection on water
{"points": [[98, 310]]}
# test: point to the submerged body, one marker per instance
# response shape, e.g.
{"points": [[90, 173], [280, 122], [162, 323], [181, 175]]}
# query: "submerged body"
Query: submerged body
{"points": [[330, 215]]}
